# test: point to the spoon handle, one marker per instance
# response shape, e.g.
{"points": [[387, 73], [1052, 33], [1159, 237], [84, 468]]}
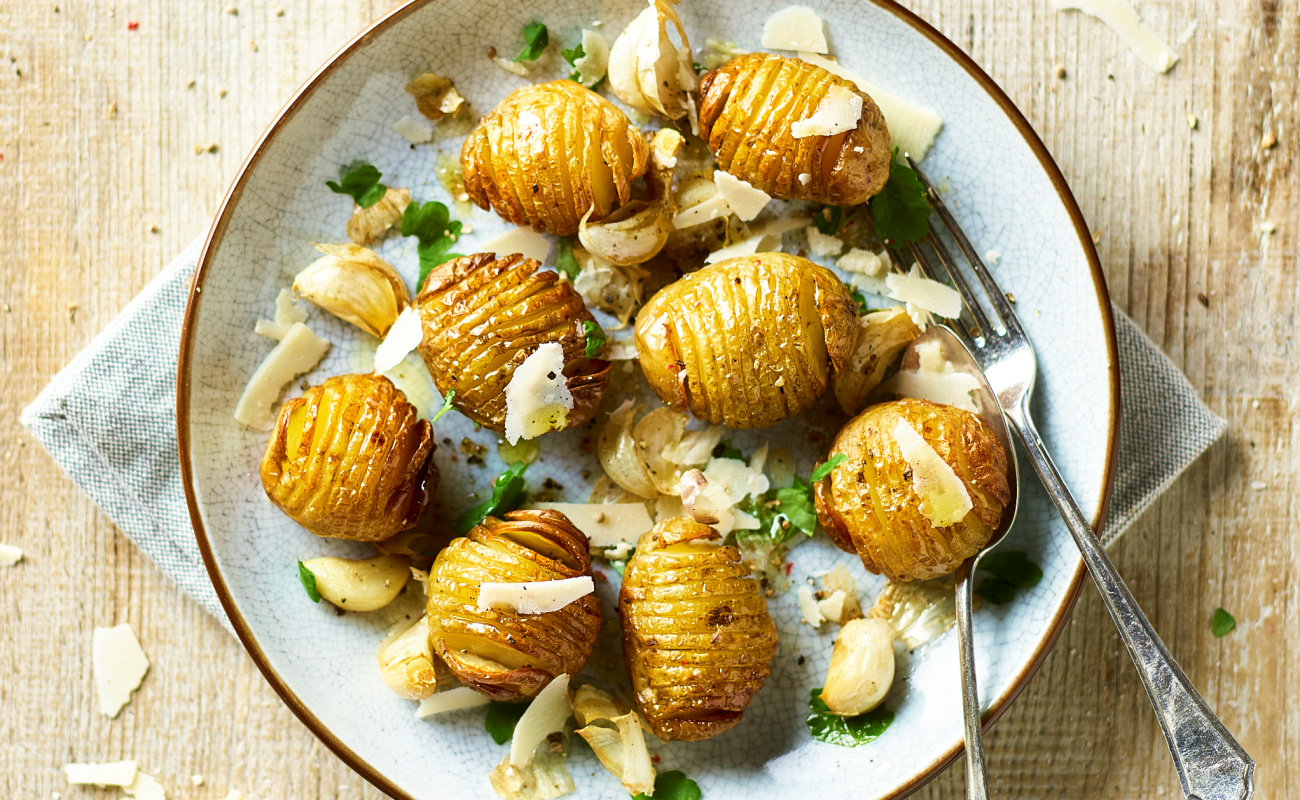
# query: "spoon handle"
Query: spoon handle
{"points": [[977, 781], [1211, 764]]}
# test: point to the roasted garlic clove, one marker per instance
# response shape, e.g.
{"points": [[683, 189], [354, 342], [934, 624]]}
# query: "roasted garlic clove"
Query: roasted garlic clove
{"points": [[882, 337], [483, 316], [407, 663], [697, 638], [749, 341], [350, 459], [752, 107], [875, 502], [355, 285], [366, 225], [362, 584], [436, 97], [647, 70], [551, 153], [635, 233], [501, 653], [861, 669]]}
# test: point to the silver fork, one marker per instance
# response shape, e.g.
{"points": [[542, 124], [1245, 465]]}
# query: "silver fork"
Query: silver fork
{"points": [[1211, 764]]}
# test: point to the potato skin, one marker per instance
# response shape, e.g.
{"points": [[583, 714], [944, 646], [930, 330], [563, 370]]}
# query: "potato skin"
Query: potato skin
{"points": [[697, 639], [483, 316], [498, 652], [351, 460], [549, 153], [748, 341], [746, 109], [873, 484]]}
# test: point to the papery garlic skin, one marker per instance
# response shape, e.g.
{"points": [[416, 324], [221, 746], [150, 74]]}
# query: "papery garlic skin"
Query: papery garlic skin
{"points": [[647, 71], [637, 232], [355, 285], [366, 225], [436, 97]]}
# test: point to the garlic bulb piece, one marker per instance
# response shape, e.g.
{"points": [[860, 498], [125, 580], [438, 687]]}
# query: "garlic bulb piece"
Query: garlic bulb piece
{"points": [[355, 285], [647, 71], [637, 232], [368, 224], [861, 669], [436, 97], [407, 663]]}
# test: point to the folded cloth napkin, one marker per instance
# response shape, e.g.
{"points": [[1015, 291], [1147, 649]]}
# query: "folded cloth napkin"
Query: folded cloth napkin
{"points": [[109, 419]]}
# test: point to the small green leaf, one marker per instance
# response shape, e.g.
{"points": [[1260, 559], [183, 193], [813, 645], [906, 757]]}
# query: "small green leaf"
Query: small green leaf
{"points": [[828, 220], [507, 495], [572, 55], [361, 183], [595, 337], [536, 39], [673, 785], [996, 591], [502, 718], [564, 260], [308, 579], [845, 731], [431, 224], [858, 298], [900, 211], [446, 406], [698, 67], [1222, 624], [1013, 567], [619, 566], [725, 450], [825, 469]]}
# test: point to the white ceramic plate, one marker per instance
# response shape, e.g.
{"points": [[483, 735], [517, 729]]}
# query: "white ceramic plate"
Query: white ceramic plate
{"points": [[1007, 193]]}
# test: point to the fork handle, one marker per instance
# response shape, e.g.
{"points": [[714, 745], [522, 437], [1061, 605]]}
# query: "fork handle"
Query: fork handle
{"points": [[1211, 764]]}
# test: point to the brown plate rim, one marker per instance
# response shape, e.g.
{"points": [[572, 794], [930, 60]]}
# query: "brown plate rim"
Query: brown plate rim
{"points": [[217, 233]]}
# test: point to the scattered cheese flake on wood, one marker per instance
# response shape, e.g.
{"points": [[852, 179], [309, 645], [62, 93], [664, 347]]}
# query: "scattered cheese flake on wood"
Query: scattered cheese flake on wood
{"points": [[272, 330], [416, 130], [745, 200], [795, 28], [1124, 20], [606, 524], [924, 293], [547, 714], [145, 787], [808, 605], [405, 335], [837, 112], [119, 665], [298, 352], [911, 127], [10, 555], [1186, 35], [944, 499], [450, 700], [832, 608], [937, 380], [113, 773], [524, 241], [235, 794], [538, 397], [534, 597], [288, 312], [700, 213], [196, 779], [822, 245], [863, 262]]}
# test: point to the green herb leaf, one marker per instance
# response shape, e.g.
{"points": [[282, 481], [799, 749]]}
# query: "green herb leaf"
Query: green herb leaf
{"points": [[537, 38], [595, 337], [360, 181], [619, 566], [308, 579], [502, 718], [1013, 567], [432, 225], [996, 591], [507, 495], [673, 785], [573, 55], [900, 211], [1222, 624], [845, 731], [828, 219], [698, 67], [858, 298], [446, 406], [825, 469], [796, 505], [564, 260], [725, 450]]}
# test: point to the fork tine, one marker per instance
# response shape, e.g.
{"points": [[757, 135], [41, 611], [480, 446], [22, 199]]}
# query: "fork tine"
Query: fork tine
{"points": [[957, 325], [976, 311]]}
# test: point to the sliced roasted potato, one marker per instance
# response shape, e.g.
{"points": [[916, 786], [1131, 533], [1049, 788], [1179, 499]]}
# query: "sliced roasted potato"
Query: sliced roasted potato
{"points": [[496, 651], [748, 341], [697, 638], [748, 108], [483, 316], [351, 460], [870, 504]]}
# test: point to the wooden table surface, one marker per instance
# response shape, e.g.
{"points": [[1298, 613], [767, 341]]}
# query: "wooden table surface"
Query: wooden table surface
{"points": [[103, 104]]}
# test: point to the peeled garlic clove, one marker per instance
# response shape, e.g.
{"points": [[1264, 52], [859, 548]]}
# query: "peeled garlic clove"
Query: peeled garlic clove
{"points": [[355, 285], [861, 669], [361, 584], [436, 97], [407, 663], [647, 71], [368, 224]]}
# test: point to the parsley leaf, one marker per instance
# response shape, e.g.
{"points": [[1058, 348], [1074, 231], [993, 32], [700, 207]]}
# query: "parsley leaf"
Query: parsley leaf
{"points": [[825, 469], [858, 298], [502, 718], [996, 591], [673, 785], [432, 225], [1222, 624], [446, 406], [845, 731], [900, 211], [1013, 567], [725, 450], [360, 181], [308, 579], [828, 219], [507, 495], [537, 38], [573, 56], [565, 263], [595, 337]]}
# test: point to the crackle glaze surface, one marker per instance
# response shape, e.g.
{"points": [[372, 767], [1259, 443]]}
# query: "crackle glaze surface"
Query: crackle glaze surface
{"points": [[1000, 193]]}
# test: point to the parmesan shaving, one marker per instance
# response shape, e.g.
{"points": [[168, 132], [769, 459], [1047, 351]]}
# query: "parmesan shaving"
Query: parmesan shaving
{"points": [[944, 499], [119, 665], [288, 312], [924, 293], [739, 480], [1124, 20], [545, 715], [763, 243], [450, 700], [595, 60], [534, 597], [525, 241], [937, 380], [145, 787], [405, 335], [795, 28], [863, 262], [416, 130], [511, 67], [538, 397], [114, 773], [837, 112], [10, 555], [272, 330], [745, 200], [808, 605], [822, 245], [832, 607], [700, 213], [298, 352], [606, 524]]}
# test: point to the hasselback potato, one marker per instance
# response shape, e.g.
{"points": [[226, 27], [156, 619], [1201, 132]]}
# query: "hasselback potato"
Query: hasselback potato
{"points": [[484, 315], [747, 109], [697, 638], [351, 460], [549, 153], [870, 505], [501, 653], [748, 341]]}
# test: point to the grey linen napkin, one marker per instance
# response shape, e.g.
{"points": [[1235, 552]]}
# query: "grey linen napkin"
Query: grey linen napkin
{"points": [[109, 419]]}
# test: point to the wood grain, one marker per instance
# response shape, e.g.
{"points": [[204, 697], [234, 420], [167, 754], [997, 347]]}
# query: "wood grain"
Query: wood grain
{"points": [[98, 130]]}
